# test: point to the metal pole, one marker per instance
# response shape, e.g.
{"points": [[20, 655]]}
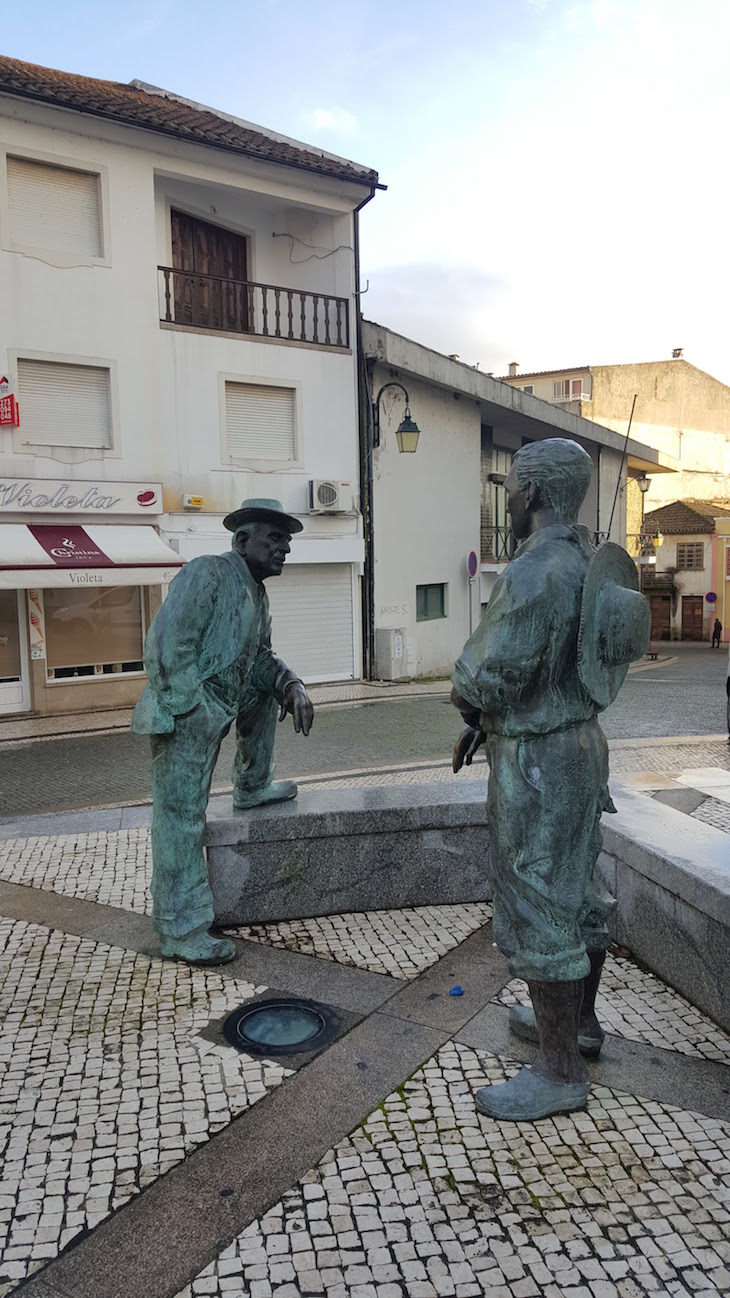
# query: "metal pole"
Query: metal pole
{"points": [[621, 467]]}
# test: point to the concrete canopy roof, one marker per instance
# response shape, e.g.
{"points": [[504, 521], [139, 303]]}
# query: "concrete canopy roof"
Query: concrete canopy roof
{"points": [[502, 406]]}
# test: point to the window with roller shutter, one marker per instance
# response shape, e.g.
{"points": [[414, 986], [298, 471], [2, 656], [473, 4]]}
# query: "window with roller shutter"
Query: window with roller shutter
{"points": [[54, 208], [259, 422], [62, 404]]}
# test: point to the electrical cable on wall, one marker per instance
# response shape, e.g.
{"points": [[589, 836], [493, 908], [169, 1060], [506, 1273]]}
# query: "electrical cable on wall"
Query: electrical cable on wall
{"points": [[313, 256]]}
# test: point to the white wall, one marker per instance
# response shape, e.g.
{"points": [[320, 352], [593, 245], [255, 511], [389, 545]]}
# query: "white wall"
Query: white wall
{"points": [[426, 520], [542, 384], [167, 418]]}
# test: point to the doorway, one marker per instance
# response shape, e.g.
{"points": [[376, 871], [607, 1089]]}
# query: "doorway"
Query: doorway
{"points": [[14, 691], [661, 617], [210, 273], [692, 613]]}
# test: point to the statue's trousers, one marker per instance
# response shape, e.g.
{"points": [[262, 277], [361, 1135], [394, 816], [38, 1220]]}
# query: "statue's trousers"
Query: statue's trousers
{"points": [[182, 771]]}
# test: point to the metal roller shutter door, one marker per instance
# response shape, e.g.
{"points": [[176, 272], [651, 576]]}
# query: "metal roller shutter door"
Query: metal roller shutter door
{"points": [[311, 620]]}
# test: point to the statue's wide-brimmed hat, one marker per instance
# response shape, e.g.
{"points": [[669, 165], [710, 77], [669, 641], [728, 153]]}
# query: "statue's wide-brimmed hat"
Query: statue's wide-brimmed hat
{"points": [[615, 623], [260, 510]]}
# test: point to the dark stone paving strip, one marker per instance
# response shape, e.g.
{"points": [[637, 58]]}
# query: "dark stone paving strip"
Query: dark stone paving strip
{"points": [[159, 1241], [302, 975], [698, 1085], [475, 966]]}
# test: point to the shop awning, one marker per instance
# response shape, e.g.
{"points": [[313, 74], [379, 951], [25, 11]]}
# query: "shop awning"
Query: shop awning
{"points": [[49, 555]]}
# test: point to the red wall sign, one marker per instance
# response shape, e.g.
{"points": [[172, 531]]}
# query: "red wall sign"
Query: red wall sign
{"points": [[70, 547], [9, 413]]}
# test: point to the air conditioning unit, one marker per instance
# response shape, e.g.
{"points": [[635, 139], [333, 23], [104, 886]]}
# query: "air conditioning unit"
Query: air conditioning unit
{"points": [[327, 497]]}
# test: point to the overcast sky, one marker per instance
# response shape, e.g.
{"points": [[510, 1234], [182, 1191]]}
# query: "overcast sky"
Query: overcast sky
{"points": [[557, 169]]}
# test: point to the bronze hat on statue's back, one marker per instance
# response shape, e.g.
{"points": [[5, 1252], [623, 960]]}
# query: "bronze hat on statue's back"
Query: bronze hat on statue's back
{"points": [[615, 623]]}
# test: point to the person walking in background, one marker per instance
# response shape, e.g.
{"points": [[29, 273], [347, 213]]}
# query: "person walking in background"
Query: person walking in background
{"points": [[717, 633]]}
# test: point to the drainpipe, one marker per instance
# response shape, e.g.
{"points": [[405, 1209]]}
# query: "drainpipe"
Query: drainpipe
{"points": [[366, 466]]}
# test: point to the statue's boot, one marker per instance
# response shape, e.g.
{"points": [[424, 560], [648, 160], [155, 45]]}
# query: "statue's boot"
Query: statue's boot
{"points": [[591, 1036], [523, 1023], [557, 1081], [528, 1096], [198, 947], [278, 791]]}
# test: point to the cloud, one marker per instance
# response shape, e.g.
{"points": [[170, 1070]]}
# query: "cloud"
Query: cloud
{"points": [[337, 120], [443, 307]]}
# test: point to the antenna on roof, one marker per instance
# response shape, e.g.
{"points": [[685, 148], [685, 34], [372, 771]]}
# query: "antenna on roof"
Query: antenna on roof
{"points": [[621, 466]]}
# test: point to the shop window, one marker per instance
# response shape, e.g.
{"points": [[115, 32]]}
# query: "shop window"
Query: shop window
{"points": [[62, 404], [430, 602], [54, 208], [93, 632], [690, 555], [10, 666]]}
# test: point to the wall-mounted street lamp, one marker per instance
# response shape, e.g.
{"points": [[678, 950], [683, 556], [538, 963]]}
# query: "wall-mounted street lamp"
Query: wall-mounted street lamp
{"points": [[407, 432], [643, 483]]}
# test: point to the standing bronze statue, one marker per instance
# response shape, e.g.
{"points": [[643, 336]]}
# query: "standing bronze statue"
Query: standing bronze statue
{"points": [[552, 651], [209, 662]]}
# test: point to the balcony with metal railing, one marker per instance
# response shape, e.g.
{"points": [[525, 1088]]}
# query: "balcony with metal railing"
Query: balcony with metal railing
{"points": [[642, 546], [211, 302], [497, 544]]}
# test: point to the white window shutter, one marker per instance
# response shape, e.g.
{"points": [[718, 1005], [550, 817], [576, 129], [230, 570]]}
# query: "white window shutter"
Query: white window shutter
{"points": [[54, 207], [306, 598], [64, 405], [259, 422]]}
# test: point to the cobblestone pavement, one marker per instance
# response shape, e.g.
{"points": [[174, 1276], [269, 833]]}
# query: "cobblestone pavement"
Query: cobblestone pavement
{"points": [[428, 1198], [114, 1075], [106, 1082], [401, 943], [634, 1004]]}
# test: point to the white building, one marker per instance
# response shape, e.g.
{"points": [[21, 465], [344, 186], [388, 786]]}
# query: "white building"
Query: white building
{"points": [[178, 333], [432, 509]]}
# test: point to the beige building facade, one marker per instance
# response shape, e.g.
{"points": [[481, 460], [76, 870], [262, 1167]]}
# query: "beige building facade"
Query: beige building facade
{"points": [[680, 410]]}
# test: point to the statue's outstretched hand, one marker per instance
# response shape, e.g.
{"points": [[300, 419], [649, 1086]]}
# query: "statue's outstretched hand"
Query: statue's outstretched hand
{"points": [[297, 701], [469, 741]]}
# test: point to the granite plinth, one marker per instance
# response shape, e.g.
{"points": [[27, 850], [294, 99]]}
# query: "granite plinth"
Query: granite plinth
{"points": [[670, 876], [412, 845], [330, 851]]}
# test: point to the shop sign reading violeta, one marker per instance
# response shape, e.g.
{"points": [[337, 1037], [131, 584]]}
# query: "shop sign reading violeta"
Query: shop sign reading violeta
{"points": [[56, 496]]}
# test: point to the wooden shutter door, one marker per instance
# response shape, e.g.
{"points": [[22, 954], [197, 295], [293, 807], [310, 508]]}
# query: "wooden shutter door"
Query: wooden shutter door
{"points": [[182, 260]]}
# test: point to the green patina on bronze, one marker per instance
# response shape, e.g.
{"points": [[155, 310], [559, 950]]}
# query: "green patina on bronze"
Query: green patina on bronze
{"points": [[552, 650], [209, 662]]}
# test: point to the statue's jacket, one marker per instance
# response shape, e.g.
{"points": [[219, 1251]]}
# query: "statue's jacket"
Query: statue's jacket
{"points": [[216, 617], [519, 669], [548, 759]]}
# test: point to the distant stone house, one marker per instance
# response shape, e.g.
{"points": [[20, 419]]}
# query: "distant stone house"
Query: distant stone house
{"points": [[680, 410], [684, 575]]}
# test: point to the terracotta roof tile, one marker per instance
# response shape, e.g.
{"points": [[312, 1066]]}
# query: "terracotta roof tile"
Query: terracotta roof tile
{"points": [[167, 114], [685, 516]]}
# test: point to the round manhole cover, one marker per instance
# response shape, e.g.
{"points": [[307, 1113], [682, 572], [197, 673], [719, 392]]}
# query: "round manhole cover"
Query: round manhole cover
{"points": [[281, 1027]]}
